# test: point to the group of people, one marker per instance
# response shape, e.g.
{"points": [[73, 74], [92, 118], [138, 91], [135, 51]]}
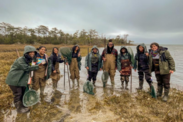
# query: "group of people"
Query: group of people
{"points": [[37, 65]]}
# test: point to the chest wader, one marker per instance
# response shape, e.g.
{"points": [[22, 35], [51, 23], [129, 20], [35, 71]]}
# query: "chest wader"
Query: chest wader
{"points": [[55, 76], [39, 79], [126, 72], [74, 71], [110, 66], [163, 80]]}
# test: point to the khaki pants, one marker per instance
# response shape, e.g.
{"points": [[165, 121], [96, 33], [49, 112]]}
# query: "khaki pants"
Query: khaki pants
{"points": [[74, 70], [110, 66], [55, 76]]}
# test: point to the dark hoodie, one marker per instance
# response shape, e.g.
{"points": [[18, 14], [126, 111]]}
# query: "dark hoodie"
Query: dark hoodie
{"points": [[75, 55], [141, 60]]}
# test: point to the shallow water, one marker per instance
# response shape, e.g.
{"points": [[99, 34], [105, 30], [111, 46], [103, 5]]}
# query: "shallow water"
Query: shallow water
{"points": [[71, 104]]}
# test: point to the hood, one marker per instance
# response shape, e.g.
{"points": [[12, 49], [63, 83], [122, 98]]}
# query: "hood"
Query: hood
{"points": [[29, 49], [96, 48], [160, 49], [123, 47], [75, 48], [144, 46]]}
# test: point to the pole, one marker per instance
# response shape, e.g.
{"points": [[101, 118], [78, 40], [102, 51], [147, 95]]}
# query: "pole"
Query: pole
{"points": [[17, 53], [68, 76], [64, 75]]}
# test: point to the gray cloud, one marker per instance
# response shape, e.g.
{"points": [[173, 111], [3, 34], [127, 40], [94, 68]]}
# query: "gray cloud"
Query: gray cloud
{"points": [[144, 21]]}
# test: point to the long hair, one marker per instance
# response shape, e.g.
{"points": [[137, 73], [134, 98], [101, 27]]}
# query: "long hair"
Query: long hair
{"points": [[54, 55]]}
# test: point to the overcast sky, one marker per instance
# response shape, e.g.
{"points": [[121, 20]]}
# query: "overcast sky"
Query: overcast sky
{"points": [[144, 20]]}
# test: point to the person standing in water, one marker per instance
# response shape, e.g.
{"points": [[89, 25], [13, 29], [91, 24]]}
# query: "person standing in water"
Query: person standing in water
{"points": [[75, 64], [39, 79], [162, 63], [55, 60], [109, 57], [142, 65], [124, 65], [18, 76], [93, 63]]}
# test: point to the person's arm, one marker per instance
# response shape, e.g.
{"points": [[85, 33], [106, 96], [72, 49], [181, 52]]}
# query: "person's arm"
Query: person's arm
{"points": [[135, 63], [103, 54], [25, 67], [119, 63], [171, 61], [86, 61], [116, 57], [100, 62]]}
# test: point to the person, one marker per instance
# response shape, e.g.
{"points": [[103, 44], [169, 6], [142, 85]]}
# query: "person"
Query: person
{"points": [[75, 64], [18, 76], [124, 65], [109, 57], [162, 63], [55, 60], [93, 64], [39, 79], [142, 65]]}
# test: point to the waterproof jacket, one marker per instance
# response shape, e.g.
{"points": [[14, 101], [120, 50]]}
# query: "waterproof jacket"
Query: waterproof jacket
{"points": [[19, 72], [166, 62], [123, 57], [78, 58], [136, 63], [88, 59]]}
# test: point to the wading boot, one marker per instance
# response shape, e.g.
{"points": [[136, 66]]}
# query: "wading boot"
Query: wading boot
{"points": [[20, 108], [159, 92], [122, 84], [78, 82], [165, 97], [140, 85], [126, 86], [112, 83], [73, 83]]}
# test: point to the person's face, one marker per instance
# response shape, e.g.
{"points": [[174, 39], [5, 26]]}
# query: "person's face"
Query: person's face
{"points": [[42, 50], [76, 48], [31, 54], [154, 47], [110, 44], [95, 50], [141, 49], [55, 50], [123, 50]]}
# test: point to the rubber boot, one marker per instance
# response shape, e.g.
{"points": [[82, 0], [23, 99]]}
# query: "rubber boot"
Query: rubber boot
{"points": [[20, 108], [73, 83], [78, 82], [41, 91], [122, 84], [140, 85], [112, 83], [104, 84], [165, 97], [94, 83], [159, 92], [126, 86]]}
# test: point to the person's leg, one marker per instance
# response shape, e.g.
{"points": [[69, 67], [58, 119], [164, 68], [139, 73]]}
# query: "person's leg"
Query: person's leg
{"points": [[77, 76], [166, 82], [122, 81], [18, 93], [54, 84], [159, 85], [112, 75], [141, 80], [42, 86], [148, 78], [94, 77], [127, 81], [36, 84], [72, 77]]}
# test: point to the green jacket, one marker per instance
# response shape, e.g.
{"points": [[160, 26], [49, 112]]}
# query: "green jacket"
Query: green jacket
{"points": [[19, 72], [166, 62], [124, 57], [88, 59], [137, 55], [78, 59]]}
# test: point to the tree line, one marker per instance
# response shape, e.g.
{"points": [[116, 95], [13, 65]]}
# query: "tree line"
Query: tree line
{"points": [[10, 34]]}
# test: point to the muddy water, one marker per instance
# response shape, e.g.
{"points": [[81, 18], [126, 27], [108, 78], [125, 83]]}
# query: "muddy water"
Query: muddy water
{"points": [[72, 105]]}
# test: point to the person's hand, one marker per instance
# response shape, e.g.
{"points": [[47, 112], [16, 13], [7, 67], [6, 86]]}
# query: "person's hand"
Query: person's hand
{"points": [[171, 71], [147, 54], [135, 70], [79, 54], [66, 63], [54, 71], [100, 69], [104, 59], [87, 68], [120, 71], [131, 67], [45, 75], [40, 64]]}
